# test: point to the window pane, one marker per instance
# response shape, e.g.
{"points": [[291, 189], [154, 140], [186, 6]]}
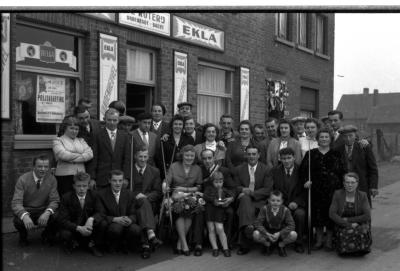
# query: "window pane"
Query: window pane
{"points": [[320, 34], [211, 80], [140, 65], [211, 108], [303, 29]]}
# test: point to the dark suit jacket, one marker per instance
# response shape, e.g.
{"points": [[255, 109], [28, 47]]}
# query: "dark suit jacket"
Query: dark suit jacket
{"points": [[149, 183], [71, 214], [338, 142], [137, 142], [107, 207], [198, 137], [292, 193], [89, 137], [162, 129], [105, 159], [263, 181], [229, 183], [364, 164]]}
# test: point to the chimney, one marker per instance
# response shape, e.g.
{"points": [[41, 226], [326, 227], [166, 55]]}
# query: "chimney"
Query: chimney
{"points": [[375, 98], [366, 91]]}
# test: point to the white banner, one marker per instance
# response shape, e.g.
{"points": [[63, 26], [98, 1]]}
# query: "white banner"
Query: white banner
{"points": [[50, 99], [180, 78], [244, 93], [154, 22], [108, 72], [5, 65]]}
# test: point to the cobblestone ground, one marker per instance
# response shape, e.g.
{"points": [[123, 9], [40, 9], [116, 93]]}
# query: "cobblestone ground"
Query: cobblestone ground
{"points": [[384, 256]]}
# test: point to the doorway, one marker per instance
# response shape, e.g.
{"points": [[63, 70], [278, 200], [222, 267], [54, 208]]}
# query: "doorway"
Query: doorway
{"points": [[138, 99]]}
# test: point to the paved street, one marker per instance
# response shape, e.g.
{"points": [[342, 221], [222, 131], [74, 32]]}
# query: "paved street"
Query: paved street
{"points": [[384, 256]]}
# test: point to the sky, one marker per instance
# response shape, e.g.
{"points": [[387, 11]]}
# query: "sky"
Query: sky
{"points": [[367, 53]]}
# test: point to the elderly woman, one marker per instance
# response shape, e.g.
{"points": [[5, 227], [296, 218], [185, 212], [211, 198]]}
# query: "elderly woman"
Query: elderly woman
{"points": [[285, 139], [210, 133], [351, 213], [185, 179], [326, 169], [71, 153], [309, 142]]}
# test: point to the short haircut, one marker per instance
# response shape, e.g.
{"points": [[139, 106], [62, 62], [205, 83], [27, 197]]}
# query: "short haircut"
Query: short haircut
{"points": [[141, 148], [80, 109], [325, 130], [84, 100], [42, 157], [208, 125], [190, 117], [118, 105], [217, 174], [352, 175], [164, 110], [70, 120], [246, 122], [336, 112], [111, 111], [271, 119], [313, 120], [285, 121], [286, 151], [81, 177], [175, 118], [116, 172], [206, 150], [276, 193], [225, 116], [253, 146], [259, 126]]}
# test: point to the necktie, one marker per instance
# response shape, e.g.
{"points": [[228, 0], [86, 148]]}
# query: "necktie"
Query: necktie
{"points": [[117, 198], [252, 179], [349, 151], [288, 173], [38, 183], [82, 201], [88, 128], [113, 140], [141, 171], [145, 141]]}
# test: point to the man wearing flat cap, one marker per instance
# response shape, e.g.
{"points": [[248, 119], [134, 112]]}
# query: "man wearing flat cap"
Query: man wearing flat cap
{"points": [[126, 123], [143, 137], [359, 159], [185, 110], [298, 123]]}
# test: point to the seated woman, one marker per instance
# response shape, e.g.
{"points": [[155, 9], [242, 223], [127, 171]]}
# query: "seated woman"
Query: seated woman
{"points": [[210, 133], [351, 213], [185, 179]]}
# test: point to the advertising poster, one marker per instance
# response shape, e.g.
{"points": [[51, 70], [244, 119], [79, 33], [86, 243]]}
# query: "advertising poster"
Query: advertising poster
{"points": [[153, 22], [108, 74], [244, 93], [5, 65], [50, 99], [180, 78]]}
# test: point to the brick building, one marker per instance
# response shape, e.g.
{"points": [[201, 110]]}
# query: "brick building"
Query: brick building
{"points": [[210, 59]]}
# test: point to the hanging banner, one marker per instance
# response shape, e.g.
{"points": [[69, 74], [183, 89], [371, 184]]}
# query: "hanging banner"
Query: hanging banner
{"points": [[244, 93], [180, 78], [108, 73], [153, 22], [50, 99], [5, 65]]}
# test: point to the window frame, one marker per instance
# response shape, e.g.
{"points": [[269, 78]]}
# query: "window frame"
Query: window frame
{"points": [[152, 82], [288, 39], [308, 47], [325, 50]]}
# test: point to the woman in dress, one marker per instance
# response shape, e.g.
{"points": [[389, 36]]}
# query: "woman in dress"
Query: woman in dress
{"points": [[309, 142], [184, 179], [210, 133], [351, 213], [327, 169], [285, 139], [71, 153]]}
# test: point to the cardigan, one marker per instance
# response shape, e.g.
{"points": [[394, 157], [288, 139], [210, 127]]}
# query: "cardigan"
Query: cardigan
{"points": [[273, 151], [283, 222], [177, 177]]}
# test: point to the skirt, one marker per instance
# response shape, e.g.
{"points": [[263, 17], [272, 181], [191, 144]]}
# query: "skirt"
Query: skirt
{"points": [[351, 240], [215, 213]]}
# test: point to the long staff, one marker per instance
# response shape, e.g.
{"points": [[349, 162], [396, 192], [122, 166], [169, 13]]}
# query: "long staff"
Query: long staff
{"points": [[132, 155], [309, 200]]}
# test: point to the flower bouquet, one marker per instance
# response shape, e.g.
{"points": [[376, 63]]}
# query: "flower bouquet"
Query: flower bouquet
{"points": [[186, 206]]}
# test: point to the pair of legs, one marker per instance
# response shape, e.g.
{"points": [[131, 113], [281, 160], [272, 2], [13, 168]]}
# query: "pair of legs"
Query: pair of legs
{"points": [[182, 227], [115, 235], [282, 241], [319, 233], [217, 228], [145, 215]]}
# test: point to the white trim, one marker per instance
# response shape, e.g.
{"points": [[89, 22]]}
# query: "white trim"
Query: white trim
{"points": [[217, 66], [214, 94], [35, 69]]}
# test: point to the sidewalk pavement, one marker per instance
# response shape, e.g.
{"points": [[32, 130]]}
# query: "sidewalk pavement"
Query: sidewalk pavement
{"points": [[384, 256]]}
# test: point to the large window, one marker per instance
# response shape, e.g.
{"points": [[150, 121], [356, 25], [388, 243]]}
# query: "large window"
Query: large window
{"points": [[215, 84], [304, 30], [308, 102], [322, 31], [140, 66], [284, 26]]}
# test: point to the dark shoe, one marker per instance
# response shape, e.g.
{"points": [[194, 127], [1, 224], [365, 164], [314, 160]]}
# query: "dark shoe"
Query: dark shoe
{"points": [[155, 243], [267, 250], [215, 252], [146, 253], [227, 253], [242, 251], [177, 251], [299, 248], [282, 252], [186, 252], [96, 252], [198, 250]]}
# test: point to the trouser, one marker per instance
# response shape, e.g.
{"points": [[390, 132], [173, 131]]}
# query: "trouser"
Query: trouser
{"points": [[299, 216], [115, 235], [49, 231], [285, 240], [68, 237], [145, 215], [197, 229]]}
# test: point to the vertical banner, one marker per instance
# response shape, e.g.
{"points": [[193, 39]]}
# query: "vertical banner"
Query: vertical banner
{"points": [[180, 78], [50, 99], [108, 73], [5, 65], [244, 93]]}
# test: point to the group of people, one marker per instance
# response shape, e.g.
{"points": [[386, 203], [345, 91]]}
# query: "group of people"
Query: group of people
{"points": [[135, 183]]}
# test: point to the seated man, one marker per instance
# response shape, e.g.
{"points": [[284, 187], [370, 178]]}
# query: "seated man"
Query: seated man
{"points": [[75, 216], [286, 179], [35, 200], [254, 185], [146, 189], [116, 215]]}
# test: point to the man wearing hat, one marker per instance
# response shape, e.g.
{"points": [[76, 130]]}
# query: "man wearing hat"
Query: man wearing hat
{"points": [[142, 136], [359, 159], [185, 110], [298, 123], [126, 123]]}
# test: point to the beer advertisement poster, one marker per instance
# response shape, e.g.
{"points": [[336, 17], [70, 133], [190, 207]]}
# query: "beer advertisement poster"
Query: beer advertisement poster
{"points": [[50, 99]]}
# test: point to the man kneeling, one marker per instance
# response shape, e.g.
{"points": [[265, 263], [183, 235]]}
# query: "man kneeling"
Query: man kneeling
{"points": [[275, 224]]}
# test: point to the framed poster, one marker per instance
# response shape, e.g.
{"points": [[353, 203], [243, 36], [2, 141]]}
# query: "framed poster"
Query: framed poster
{"points": [[180, 78], [244, 93], [5, 65], [50, 99], [108, 72]]}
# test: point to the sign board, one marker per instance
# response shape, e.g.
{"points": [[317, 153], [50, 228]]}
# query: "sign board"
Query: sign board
{"points": [[197, 33], [108, 73], [244, 93], [180, 78], [5, 65], [153, 22], [50, 99], [102, 15]]}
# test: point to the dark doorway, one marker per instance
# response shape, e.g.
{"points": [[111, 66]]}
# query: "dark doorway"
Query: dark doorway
{"points": [[138, 99]]}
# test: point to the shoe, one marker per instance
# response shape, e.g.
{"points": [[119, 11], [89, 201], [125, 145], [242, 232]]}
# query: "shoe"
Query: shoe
{"points": [[186, 252], [146, 253], [282, 252], [227, 253], [96, 252], [242, 251], [299, 248], [267, 250], [155, 243], [198, 251], [215, 252], [177, 251]]}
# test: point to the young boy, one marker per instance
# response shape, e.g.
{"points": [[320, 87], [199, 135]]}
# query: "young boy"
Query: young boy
{"points": [[275, 224]]}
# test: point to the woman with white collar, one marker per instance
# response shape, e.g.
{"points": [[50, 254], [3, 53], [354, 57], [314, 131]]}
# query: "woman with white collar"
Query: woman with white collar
{"points": [[210, 133]]}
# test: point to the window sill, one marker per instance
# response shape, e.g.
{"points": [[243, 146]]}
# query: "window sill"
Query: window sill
{"points": [[323, 56], [305, 49], [286, 42], [27, 142]]}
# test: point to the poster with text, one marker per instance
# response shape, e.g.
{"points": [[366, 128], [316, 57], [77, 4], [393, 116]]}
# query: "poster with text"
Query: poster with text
{"points": [[50, 99], [5, 65], [108, 72], [180, 78], [244, 93]]}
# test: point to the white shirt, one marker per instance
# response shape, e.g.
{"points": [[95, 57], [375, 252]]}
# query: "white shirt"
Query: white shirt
{"points": [[156, 124], [211, 146], [290, 170], [193, 134], [109, 132], [283, 144], [306, 144], [139, 168]]}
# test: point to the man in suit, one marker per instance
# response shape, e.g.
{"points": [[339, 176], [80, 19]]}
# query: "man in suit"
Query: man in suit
{"points": [[158, 125], [35, 201], [360, 160], [111, 150], [88, 127], [191, 130], [147, 191], [335, 119], [286, 179], [116, 216], [142, 136], [75, 217], [254, 184]]}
